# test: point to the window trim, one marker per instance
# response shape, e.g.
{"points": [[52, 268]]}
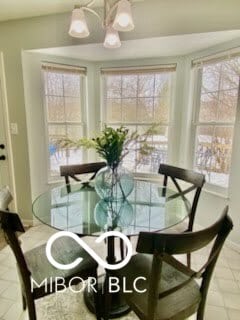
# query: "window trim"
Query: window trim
{"points": [[197, 77], [83, 74]]}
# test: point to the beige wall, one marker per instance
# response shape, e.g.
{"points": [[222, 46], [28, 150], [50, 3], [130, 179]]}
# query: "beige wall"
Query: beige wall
{"points": [[153, 18]]}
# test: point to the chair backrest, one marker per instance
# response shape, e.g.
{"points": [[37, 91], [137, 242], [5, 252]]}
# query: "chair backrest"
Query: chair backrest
{"points": [[11, 224], [164, 245], [71, 171], [196, 180]]}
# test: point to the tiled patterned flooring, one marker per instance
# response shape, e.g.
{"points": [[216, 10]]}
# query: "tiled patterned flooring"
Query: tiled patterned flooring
{"points": [[223, 301]]}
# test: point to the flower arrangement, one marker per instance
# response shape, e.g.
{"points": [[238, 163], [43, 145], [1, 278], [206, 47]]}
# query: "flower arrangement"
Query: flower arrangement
{"points": [[113, 145]]}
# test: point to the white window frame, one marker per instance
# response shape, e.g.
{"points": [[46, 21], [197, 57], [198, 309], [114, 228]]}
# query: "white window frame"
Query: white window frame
{"points": [[197, 78], [55, 179], [170, 124]]}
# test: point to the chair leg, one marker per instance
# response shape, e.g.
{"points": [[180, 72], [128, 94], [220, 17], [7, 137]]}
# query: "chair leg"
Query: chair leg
{"points": [[97, 300], [107, 299], [200, 313], [189, 260], [24, 303], [122, 249], [31, 309]]}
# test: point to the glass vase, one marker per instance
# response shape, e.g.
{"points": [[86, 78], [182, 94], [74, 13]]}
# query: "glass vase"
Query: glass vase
{"points": [[112, 215], [114, 183]]}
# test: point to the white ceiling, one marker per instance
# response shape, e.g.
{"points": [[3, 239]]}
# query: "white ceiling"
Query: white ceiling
{"points": [[16, 9], [145, 48]]}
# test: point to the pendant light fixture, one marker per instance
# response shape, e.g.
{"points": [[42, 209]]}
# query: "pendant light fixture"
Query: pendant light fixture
{"points": [[112, 39], [78, 27], [122, 21]]}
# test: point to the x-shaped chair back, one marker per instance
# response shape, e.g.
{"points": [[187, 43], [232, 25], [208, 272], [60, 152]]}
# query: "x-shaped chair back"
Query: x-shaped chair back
{"points": [[71, 171], [196, 180]]}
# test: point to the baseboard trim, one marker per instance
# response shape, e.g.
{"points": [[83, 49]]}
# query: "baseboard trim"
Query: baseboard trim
{"points": [[232, 245], [229, 243], [27, 223]]}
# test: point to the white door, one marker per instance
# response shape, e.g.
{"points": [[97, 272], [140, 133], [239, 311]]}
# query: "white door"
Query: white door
{"points": [[6, 174]]}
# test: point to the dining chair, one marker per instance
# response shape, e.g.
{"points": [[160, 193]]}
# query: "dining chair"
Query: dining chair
{"points": [[35, 265], [172, 289], [196, 180], [72, 171]]}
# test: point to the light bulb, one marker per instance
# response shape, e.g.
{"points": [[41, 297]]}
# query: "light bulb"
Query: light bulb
{"points": [[112, 39], [78, 27], [123, 20]]}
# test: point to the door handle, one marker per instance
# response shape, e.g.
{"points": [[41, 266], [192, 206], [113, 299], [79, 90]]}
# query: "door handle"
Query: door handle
{"points": [[2, 157], [2, 146]]}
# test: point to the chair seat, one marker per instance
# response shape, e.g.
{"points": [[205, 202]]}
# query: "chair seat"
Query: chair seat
{"points": [[182, 302], [64, 250]]}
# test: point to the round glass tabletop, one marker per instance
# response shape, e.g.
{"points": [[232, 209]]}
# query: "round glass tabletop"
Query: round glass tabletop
{"points": [[78, 209]]}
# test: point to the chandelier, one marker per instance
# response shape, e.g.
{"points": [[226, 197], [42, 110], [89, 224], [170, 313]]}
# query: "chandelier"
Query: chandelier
{"points": [[122, 21]]}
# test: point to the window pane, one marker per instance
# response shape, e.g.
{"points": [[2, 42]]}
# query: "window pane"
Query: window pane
{"points": [[56, 132], [162, 84], [54, 84], [129, 110], [146, 85], [230, 74], [74, 132], [210, 78], [71, 85], [114, 113], [161, 109], [137, 162], [62, 156], [114, 86], [159, 155], [213, 153], [227, 105], [145, 110], [55, 109], [129, 86], [73, 109], [208, 107]]}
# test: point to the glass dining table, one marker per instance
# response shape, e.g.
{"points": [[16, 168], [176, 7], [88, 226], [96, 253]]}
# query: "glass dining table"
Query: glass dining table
{"points": [[78, 208]]}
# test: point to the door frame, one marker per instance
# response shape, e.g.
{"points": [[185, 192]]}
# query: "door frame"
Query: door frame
{"points": [[6, 118]]}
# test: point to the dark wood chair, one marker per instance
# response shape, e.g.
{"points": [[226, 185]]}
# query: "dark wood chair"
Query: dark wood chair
{"points": [[172, 291], [196, 180], [35, 265], [72, 171]]}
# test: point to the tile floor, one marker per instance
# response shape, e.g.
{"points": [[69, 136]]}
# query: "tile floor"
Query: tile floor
{"points": [[223, 301]]}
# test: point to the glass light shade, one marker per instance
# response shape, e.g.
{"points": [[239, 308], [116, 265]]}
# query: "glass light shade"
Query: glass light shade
{"points": [[78, 27], [123, 20], [112, 39]]}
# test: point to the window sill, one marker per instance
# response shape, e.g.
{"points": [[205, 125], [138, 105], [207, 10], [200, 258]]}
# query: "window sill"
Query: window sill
{"points": [[223, 195], [52, 182]]}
